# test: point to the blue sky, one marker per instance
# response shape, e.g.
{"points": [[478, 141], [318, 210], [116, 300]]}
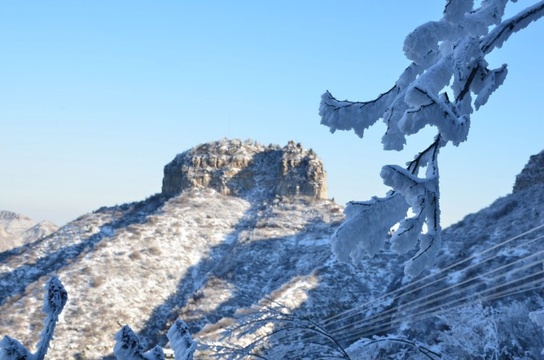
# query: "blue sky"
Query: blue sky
{"points": [[96, 97]]}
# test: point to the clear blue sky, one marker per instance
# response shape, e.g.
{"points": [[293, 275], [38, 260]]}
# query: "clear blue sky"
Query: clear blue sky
{"points": [[96, 97]]}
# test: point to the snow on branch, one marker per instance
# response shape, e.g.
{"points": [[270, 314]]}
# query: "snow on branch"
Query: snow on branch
{"points": [[334, 112], [53, 303], [448, 62], [502, 32], [181, 341], [128, 345], [374, 219]]}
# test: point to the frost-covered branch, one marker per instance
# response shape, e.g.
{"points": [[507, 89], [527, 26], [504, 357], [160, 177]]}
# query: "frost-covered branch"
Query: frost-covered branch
{"points": [[128, 345], [53, 303], [502, 32], [448, 61], [181, 341], [363, 346], [277, 334]]}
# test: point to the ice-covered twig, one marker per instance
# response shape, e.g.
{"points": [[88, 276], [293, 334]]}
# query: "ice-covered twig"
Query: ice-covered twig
{"points": [[448, 58], [11, 349], [128, 345], [180, 339], [53, 303], [55, 299]]}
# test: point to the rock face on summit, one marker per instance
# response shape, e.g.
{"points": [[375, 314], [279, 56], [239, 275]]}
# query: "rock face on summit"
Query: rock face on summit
{"points": [[532, 173], [234, 167]]}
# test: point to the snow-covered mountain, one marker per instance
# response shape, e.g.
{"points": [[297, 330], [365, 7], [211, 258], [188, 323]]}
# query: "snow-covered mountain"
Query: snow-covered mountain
{"points": [[17, 229], [239, 228]]}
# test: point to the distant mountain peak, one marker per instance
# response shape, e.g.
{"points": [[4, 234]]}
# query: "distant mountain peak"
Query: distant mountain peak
{"points": [[10, 215], [17, 229], [241, 168], [532, 174]]}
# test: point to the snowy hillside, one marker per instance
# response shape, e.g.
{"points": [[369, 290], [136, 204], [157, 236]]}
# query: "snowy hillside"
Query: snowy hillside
{"points": [[200, 255], [233, 237]]}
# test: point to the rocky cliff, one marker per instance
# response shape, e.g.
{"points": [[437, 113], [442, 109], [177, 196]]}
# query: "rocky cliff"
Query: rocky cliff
{"points": [[234, 167], [532, 174]]}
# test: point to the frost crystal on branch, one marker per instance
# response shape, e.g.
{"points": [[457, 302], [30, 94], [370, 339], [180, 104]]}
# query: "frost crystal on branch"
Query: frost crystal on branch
{"points": [[448, 78], [11, 349], [181, 341], [128, 345], [53, 303]]}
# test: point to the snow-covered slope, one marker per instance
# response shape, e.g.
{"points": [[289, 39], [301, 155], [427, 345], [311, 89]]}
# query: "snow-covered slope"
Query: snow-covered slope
{"points": [[213, 259], [200, 255]]}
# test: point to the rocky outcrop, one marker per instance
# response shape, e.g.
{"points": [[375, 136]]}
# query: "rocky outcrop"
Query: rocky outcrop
{"points": [[532, 174], [234, 167]]}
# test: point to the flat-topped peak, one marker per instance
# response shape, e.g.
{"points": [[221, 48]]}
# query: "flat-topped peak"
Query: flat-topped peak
{"points": [[235, 167]]}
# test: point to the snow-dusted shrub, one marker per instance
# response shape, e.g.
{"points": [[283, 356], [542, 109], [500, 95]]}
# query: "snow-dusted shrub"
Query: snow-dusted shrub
{"points": [[447, 80], [473, 332], [389, 347], [181, 341], [128, 346], [538, 318]]}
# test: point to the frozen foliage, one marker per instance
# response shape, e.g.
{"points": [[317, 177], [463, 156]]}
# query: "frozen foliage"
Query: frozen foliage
{"points": [[53, 303], [11, 349], [373, 217], [447, 79], [538, 318], [181, 341], [473, 332], [129, 347]]}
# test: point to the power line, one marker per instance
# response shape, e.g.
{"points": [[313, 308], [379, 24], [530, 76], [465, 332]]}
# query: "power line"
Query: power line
{"points": [[443, 271]]}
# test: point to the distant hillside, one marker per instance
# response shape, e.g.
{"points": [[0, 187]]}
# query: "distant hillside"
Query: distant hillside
{"points": [[239, 226], [17, 230]]}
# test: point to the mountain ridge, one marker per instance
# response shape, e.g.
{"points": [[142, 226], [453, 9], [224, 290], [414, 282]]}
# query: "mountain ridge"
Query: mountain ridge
{"points": [[18, 229], [204, 256]]}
